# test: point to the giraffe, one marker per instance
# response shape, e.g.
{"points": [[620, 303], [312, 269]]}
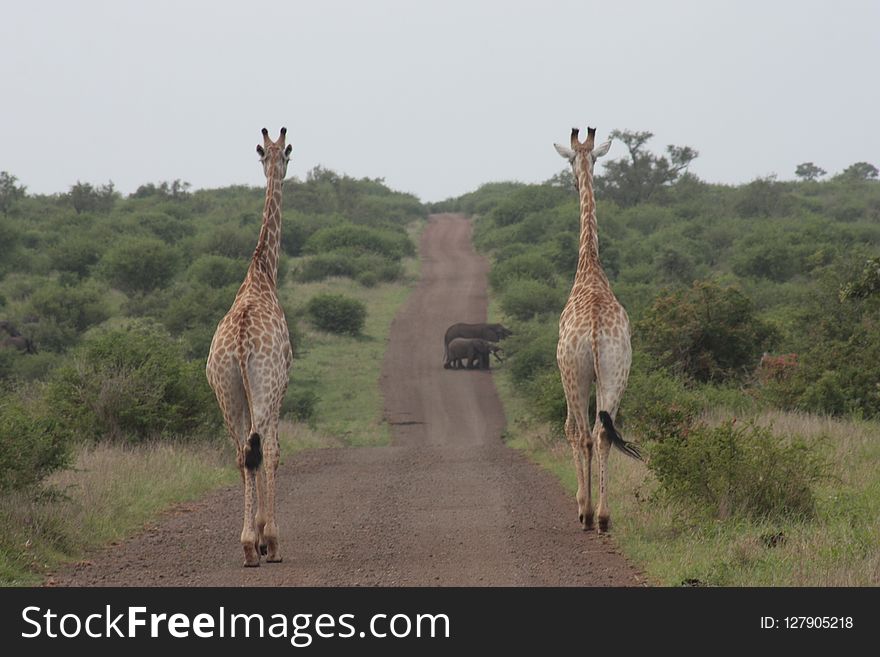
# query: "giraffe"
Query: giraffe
{"points": [[594, 344], [249, 363]]}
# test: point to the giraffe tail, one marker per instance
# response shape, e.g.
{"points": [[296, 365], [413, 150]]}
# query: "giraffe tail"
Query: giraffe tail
{"points": [[630, 449], [253, 453]]}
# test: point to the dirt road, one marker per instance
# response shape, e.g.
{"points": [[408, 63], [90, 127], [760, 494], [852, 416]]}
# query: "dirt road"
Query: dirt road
{"points": [[446, 504]]}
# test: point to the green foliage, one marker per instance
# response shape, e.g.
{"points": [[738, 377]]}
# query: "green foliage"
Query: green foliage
{"points": [[732, 470], [64, 312], [532, 265], [299, 404], [353, 265], [524, 299], [860, 171], [809, 171], [31, 444], [633, 180], [217, 271], [86, 198], [707, 333], [10, 192], [132, 383], [337, 313], [76, 254], [140, 264], [393, 244]]}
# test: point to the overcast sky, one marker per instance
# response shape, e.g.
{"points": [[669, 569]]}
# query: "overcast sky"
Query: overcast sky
{"points": [[435, 97]]}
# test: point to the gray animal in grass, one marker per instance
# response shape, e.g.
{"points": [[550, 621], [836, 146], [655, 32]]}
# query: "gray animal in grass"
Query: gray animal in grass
{"points": [[471, 353], [490, 332], [16, 340]]}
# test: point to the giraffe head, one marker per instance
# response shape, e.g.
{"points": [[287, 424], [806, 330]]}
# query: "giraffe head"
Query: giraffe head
{"points": [[583, 154], [274, 155]]}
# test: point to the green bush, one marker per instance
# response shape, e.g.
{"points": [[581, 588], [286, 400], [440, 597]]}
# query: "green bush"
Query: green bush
{"points": [[31, 443], [733, 470], [64, 312], [217, 271], [77, 254], [132, 383], [707, 333], [531, 266], [525, 299], [299, 404], [337, 313], [351, 265], [393, 244], [531, 350], [140, 264]]}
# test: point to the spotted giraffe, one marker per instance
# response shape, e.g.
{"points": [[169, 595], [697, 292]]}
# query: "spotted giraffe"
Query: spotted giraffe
{"points": [[594, 345], [249, 363]]}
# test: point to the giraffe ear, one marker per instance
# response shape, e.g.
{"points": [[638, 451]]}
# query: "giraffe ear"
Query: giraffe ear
{"points": [[288, 150], [564, 151], [601, 149], [260, 151]]}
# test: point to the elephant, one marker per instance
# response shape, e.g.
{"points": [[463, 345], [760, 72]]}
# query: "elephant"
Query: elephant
{"points": [[16, 340], [19, 342], [489, 332], [470, 353]]}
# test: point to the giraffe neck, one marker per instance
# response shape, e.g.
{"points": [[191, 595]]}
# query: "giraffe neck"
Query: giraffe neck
{"points": [[588, 249], [265, 258]]}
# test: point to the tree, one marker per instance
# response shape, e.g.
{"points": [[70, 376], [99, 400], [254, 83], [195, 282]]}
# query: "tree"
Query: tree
{"points": [[860, 171], [86, 198], [176, 190], [707, 333], [634, 180], [9, 191], [866, 284], [809, 171]]}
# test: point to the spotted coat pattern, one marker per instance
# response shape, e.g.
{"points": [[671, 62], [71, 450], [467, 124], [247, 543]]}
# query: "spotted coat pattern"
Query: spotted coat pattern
{"points": [[594, 346], [248, 367]]}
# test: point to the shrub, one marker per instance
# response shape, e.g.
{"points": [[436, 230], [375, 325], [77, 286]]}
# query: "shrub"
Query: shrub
{"points": [[707, 333], [525, 299], [217, 271], [31, 444], [337, 313], [531, 350], [140, 264], [389, 243], [299, 404], [132, 383], [64, 312], [352, 265], [531, 266], [733, 470]]}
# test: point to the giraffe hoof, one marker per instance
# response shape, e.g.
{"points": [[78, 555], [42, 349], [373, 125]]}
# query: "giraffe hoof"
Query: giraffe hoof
{"points": [[586, 521], [274, 559], [255, 564], [604, 525]]}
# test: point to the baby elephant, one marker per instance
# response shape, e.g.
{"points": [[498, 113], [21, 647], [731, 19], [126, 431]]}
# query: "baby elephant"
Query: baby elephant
{"points": [[471, 353]]}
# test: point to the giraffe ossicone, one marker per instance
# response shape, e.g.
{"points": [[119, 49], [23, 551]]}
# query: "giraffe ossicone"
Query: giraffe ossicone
{"points": [[249, 364]]}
